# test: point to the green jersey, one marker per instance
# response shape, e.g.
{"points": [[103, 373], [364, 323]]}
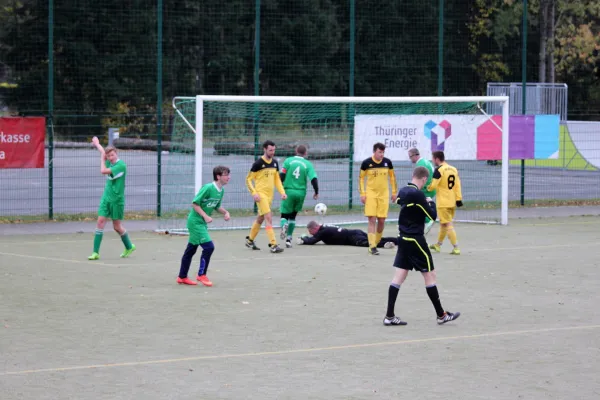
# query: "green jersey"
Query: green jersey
{"points": [[297, 170], [114, 191], [427, 164], [209, 199]]}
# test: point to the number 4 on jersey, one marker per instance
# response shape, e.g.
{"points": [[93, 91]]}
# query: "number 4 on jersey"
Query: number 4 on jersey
{"points": [[296, 172]]}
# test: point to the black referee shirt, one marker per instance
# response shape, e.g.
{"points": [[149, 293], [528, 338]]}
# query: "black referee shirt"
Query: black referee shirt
{"points": [[414, 209]]}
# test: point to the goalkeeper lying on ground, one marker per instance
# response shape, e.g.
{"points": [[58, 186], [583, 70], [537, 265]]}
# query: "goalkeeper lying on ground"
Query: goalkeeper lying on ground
{"points": [[334, 235]]}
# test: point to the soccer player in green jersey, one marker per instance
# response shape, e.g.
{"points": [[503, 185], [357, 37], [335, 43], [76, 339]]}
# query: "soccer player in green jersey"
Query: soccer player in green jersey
{"points": [[415, 157], [294, 174], [112, 204], [207, 200]]}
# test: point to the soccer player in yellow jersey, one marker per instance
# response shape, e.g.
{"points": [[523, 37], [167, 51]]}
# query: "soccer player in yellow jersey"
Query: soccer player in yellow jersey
{"points": [[449, 196], [265, 174], [376, 195]]}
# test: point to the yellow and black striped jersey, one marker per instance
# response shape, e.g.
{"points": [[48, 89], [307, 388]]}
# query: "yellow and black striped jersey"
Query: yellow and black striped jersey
{"points": [[377, 174], [447, 183], [265, 175]]}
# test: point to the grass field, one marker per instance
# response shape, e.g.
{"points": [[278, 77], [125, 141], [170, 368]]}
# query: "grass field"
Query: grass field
{"points": [[302, 324]]}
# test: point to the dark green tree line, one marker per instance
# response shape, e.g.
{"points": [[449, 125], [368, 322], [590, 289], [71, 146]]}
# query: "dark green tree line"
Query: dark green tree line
{"points": [[105, 52]]}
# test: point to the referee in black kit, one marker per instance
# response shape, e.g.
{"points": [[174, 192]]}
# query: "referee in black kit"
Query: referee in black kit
{"points": [[413, 251]]}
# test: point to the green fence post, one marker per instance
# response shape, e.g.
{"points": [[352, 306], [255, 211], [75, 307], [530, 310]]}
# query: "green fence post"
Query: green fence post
{"points": [[256, 80], [50, 122], [351, 110], [524, 96], [159, 99]]}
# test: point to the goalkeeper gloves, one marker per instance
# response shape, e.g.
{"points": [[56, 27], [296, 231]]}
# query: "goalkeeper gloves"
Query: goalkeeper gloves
{"points": [[459, 203], [299, 240]]}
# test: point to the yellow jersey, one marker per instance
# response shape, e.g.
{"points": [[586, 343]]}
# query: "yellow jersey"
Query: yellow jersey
{"points": [[377, 173], [265, 175], [447, 183]]}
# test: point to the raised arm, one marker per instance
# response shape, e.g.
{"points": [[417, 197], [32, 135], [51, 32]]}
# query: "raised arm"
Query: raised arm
{"points": [[104, 170]]}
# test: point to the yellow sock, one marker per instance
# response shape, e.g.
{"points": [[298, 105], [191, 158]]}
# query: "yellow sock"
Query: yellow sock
{"points": [[371, 237], [378, 236], [254, 230], [442, 234], [271, 235], [452, 236]]}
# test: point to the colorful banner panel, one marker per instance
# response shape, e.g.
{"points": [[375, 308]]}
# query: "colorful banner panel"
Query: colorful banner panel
{"points": [[22, 142], [461, 137]]}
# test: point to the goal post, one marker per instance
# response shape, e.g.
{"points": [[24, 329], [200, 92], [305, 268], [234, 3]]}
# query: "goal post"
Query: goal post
{"points": [[213, 130]]}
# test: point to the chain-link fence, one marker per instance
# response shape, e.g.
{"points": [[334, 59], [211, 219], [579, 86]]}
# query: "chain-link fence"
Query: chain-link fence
{"points": [[89, 67]]}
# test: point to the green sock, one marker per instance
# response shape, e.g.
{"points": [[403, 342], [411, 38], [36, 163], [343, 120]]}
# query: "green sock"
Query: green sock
{"points": [[126, 241], [98, 240], [283, 222], [291, 227]]}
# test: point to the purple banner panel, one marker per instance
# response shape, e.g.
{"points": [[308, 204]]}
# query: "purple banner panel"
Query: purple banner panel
{"points": [[521, 143]]}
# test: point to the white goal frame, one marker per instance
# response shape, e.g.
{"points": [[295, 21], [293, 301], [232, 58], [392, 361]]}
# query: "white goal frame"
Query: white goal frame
{"points": [[199, 123]]}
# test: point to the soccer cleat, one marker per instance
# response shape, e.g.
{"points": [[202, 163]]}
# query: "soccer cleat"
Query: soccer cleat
{"points": [[204, 280], [455, 251], [389, 321], [128, 252], [284, 229], [389, 245], [94, 256], [447, 317], [288, 243], [428, 226], [374, 251], [250, 244], [186, 281], [435, 247], [274, 248]]}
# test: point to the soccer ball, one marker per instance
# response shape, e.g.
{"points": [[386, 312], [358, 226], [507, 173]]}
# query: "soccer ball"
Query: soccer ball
{"points": [[321, 208]]}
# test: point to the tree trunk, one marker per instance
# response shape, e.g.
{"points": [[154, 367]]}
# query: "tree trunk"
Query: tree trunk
{"points": [[551, 41], [543, 40]]}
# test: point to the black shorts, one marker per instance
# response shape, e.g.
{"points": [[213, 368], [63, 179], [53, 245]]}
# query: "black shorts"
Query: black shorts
{"points": [[413, 253]]}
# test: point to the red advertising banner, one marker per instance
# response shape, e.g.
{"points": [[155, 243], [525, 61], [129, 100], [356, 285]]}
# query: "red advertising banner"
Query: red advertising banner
{"points": [[22, 142]]}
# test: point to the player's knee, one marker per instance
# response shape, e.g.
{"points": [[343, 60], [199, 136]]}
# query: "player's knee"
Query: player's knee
{"points": [[430, 278], [117, 226], [293, 215], [191, 249], [208, 248]]}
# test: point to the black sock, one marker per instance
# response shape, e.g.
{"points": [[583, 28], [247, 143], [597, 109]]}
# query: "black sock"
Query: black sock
{"points": [[434, 296], [392, 296]]}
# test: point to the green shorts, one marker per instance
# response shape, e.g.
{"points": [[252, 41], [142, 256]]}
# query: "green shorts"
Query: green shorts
{"points": [[198, 234], [294, 201], [112, 210]]}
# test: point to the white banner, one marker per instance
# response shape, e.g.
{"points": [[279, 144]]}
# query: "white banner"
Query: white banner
{"points": [[456, 135]]}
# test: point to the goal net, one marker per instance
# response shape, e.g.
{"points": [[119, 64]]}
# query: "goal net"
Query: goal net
{"points": [[339, 133]]}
